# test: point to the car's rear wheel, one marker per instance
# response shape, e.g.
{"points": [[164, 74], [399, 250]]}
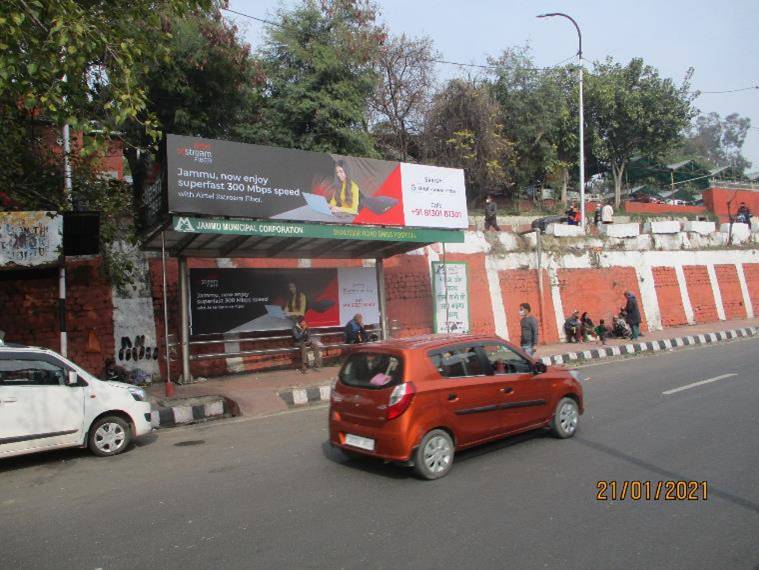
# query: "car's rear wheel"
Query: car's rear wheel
{"points": [[109, 435], [565, 418], [433, 458]]}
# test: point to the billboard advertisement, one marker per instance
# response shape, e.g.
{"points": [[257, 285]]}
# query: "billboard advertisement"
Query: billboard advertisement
{"points": [[246, 300], [222, 178]]}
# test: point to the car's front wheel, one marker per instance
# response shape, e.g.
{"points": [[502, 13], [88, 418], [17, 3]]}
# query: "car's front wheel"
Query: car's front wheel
{"points": [[566, 418], [109, 435], [433, 458]]}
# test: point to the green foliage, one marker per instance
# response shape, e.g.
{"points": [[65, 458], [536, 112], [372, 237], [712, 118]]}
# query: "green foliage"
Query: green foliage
{"points": [[630, 110], [717, 142], [319, 69], [463, 131], [539, 115]]}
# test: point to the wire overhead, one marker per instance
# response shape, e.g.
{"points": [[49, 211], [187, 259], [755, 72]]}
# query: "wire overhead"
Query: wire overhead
{"points": [[482, 66]]}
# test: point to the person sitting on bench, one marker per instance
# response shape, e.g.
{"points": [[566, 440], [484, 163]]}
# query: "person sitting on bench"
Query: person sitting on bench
{"points": [[355, 333]]}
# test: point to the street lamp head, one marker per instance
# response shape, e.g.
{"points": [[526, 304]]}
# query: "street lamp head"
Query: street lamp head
{"points": [[548, 15]]}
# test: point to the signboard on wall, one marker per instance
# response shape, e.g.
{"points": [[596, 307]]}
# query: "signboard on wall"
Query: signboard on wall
{"points": [[30, 239], [246, 300], [222, 178], [452, 303]]}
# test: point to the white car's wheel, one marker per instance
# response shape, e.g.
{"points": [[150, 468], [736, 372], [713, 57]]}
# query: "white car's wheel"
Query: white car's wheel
{"points": [[109, 435]]}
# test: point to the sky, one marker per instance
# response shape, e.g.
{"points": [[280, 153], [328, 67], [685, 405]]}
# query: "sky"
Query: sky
{"points": [[718, 39]]}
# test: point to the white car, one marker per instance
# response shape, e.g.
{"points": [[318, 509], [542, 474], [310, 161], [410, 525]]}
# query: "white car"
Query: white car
{"points": [[48, 402]]}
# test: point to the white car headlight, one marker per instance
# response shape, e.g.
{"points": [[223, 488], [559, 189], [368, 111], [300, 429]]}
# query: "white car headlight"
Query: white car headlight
{"points": [[137, 393]]}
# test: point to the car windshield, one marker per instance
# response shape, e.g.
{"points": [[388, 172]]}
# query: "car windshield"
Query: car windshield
{"points": [[372, 370]]}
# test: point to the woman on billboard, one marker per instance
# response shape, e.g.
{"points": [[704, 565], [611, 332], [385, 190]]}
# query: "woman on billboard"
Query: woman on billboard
{"points": [[346, 194], [297, 302]]}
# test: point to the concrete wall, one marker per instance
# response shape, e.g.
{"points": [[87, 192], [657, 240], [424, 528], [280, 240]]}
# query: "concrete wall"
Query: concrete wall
{"points": [[678, 280]]}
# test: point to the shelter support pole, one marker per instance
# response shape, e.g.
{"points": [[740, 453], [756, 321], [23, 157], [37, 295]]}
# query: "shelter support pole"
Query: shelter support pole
{"points": [[184, 300], [445, 288], [168, 385], [539, 238], [385, 329], [62, 306]]}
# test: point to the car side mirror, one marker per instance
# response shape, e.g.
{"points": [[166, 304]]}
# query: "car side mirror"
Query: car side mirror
{"points": [[72, 378], [539, 367]]}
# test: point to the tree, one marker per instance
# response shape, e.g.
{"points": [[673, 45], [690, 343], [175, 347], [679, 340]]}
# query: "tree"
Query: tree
{"points": [[718, 141], [318, 61], [405, 71], [463, 131], [631, 110], [538, 107], [205, 87], [57, 57]]}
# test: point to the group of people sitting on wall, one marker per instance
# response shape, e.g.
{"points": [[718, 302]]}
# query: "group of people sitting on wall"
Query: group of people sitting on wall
{"points": [[581, 328], [604, 214]]}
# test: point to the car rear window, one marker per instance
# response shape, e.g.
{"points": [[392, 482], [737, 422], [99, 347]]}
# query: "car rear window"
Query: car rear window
{"points": [[372, 370]]}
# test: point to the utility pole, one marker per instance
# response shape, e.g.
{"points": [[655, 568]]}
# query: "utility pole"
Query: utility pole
{"points": [[68, 201], [582, 121]]}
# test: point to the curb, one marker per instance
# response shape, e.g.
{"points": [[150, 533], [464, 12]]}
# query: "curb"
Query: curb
{"points": [[651, 346], [299, 397], [184, 415]]}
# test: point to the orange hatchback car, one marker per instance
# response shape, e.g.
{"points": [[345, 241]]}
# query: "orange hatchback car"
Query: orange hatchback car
{"points": [[418, 400]]}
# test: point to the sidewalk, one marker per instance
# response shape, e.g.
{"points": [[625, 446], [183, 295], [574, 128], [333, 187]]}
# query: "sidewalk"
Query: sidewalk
{"points": [[267, 393]]}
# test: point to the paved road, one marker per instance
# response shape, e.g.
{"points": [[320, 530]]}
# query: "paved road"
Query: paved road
{"points": [[268, 493]]}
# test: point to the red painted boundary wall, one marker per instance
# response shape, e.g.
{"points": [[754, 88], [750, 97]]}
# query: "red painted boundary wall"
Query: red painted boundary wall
{"points": [[29, 305], [643, 208], [716, 199]]}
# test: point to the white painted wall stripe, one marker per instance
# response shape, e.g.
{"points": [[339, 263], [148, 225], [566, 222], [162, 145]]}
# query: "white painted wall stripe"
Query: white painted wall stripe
{"points": [[648, 298], [747, 303], [496, 298], [558, 306], [687, 307], [716, 291]]}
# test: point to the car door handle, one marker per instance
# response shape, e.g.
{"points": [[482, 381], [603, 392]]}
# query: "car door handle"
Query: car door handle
{"points": [[10, 400], [452, 397], [507, 389]]}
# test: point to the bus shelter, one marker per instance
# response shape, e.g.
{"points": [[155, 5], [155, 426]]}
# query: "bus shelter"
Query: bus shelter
{"points": [[218, 199]]}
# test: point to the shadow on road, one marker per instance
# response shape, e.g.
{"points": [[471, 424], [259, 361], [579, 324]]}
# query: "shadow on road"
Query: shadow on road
{"points": [[54, 458], [670, 475], [397, 471]]}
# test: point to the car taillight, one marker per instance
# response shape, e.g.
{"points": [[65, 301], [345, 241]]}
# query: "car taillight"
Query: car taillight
{"points": [[400, 399]]}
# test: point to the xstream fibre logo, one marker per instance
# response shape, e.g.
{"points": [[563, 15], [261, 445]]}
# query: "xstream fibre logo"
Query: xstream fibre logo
{"points": [[198, 152]]}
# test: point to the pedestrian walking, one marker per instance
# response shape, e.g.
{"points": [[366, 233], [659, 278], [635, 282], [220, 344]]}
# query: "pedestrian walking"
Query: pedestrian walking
{"points": [[491, 214], [632, 314], [529, 327]]}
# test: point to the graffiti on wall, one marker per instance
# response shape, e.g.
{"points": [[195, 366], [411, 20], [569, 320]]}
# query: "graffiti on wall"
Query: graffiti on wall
{"points": [[30, 238]]}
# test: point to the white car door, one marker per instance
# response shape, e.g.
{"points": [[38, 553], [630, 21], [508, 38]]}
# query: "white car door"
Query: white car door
{"points": [[37, 409]]}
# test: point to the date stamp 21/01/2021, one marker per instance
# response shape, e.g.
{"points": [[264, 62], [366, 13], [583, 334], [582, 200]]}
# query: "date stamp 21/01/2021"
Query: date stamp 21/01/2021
{"points": [[652, 490]]}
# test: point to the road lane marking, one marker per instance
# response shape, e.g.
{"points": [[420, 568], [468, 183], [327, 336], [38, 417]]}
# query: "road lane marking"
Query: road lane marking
{"points": [[700, 383]]}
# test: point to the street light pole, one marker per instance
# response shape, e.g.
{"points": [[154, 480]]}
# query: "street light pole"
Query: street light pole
{"points": [[582, 121]]}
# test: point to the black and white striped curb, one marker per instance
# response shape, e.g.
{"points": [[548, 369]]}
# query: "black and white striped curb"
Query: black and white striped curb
{"points": [[302, 396], [171, 416], [650, 346], [295, 397]]}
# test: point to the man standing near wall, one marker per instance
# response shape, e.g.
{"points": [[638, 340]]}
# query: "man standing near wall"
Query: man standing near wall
{"points": [[607, 214], [632, 314], [491, 214], [529, 327]]}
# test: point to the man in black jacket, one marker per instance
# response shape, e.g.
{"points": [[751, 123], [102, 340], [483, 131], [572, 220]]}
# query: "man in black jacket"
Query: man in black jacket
{"points": [[529, 327], [491, 214], [632, 314]]}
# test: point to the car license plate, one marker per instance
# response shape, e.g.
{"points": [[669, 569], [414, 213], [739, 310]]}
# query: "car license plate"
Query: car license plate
{"points": [[360, 442]]}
